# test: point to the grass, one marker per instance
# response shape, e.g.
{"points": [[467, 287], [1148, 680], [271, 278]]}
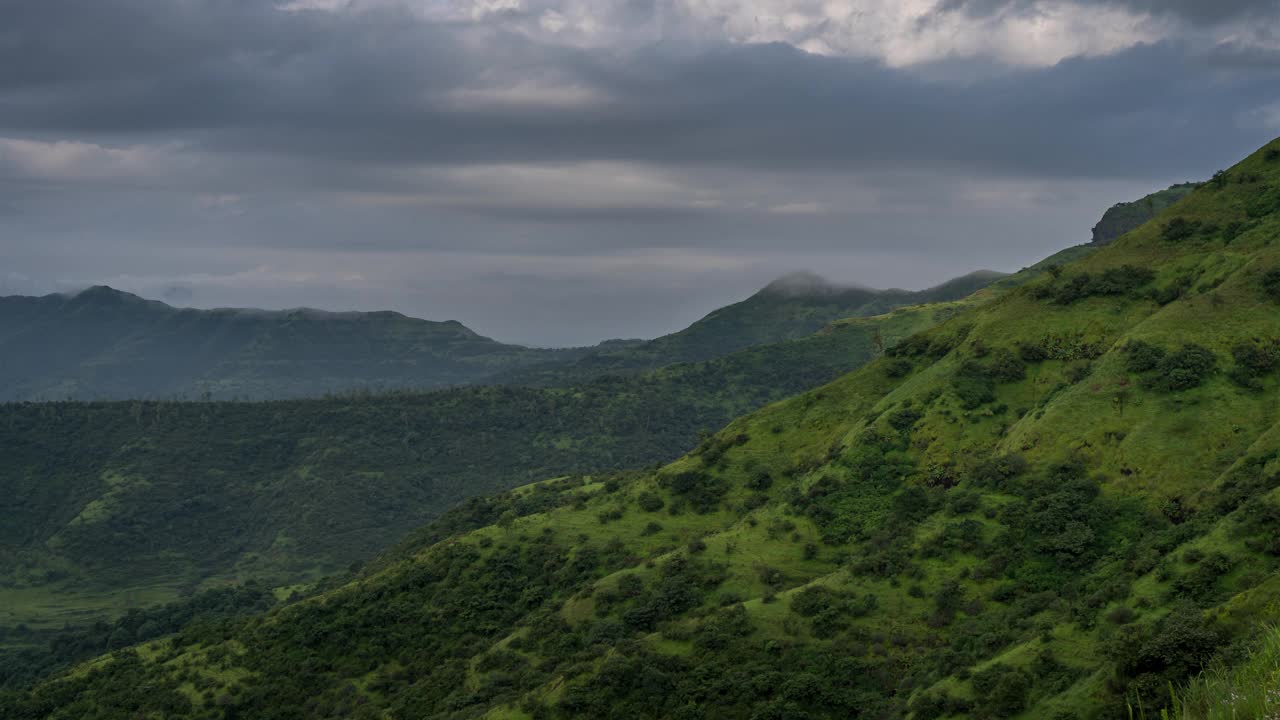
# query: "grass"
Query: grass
{"points": [[1247, 691], [50, 607]]}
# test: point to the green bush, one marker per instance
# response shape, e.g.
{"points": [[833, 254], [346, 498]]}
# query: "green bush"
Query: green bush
{"points": [[903, 419], [1254, 359], [1122, 280], [1000, 691], [1179, 229], [1185, 368], [1006, 367], [1271, 284], [649, 502], [1142, 356], [760, 480], [898, 367], [701, 490], [1262, 204], [1149, 658], [973, 385]]}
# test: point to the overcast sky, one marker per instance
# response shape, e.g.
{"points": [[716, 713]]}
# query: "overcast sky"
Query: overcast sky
{"points": [[565, 171]]}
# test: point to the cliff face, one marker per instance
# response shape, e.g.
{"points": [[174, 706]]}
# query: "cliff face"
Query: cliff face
{"points": [[1123, 217]]}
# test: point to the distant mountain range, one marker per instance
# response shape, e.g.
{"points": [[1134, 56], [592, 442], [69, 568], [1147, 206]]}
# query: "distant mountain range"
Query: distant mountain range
{"points": [[106, 344]]}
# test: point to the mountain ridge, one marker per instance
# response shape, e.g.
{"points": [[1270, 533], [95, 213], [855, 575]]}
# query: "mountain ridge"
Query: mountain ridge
{"points": [[103, 343]]}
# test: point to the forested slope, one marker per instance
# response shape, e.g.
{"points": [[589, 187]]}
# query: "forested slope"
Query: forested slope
{"points": [[106, 344], [111, 505]]}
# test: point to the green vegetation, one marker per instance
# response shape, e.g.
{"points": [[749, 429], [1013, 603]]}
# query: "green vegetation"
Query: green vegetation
{"points": [[114, 505], [791, 308], [1127, 216], [104, 344], [1034, 509], [1248, 690], [29, 654]]}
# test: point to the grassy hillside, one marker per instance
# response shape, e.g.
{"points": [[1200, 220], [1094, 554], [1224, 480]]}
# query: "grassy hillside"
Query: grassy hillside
{"points": [[1250, 689], [789, 308], [106, 344], [111, 506], [1052, 505], [1126, 216]]}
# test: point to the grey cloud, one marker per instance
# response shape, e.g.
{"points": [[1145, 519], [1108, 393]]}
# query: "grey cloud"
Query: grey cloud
{"points": [[1202, 11], [1240, 55], [345, 93]]}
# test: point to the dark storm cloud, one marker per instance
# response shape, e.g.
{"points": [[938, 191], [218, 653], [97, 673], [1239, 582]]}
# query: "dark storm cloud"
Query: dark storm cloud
{"points": [[383, 87], [1238, 56], [1212, 11]]}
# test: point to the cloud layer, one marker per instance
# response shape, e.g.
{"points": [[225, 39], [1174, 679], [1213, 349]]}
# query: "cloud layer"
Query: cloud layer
{"points": [[562, 171]]}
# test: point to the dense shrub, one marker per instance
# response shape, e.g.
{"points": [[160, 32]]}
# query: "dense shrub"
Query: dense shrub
{"points": [[1271, 284], [898, 367], [1185, 368], [1264, 203], [649, 502], [1000, 691], [973, 385], [903, 418], [998, 472], [1254, 359], [1142, 356], [1032, 352], [1148, 658], [760, 480], [1006, 367], [1179, 229], [1121, 280], [701, 490]]}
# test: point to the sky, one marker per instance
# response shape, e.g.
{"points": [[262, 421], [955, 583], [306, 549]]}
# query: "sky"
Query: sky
{"points": [[559, 172]]}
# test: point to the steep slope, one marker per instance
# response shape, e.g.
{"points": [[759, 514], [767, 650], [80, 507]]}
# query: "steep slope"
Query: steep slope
{"points": [[1050, 504], [789, 308], [1126, 216], [105, 344], [157, 498]]}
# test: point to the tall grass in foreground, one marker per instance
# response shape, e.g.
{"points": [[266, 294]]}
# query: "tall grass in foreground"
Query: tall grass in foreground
{"points": [[1248, 691]]}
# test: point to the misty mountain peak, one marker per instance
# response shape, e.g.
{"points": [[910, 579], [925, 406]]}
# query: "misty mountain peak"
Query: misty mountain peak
{"points": [[802, 283], [104, 294]]}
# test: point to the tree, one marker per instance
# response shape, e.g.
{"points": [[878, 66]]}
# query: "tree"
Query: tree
{"points": [[507, 520]]}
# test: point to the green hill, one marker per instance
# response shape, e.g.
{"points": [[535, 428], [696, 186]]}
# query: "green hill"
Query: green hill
{"points": [[112, 505], [106, 344], [119, 505], [1126, 216], [790, 308], [1051, 505]]}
